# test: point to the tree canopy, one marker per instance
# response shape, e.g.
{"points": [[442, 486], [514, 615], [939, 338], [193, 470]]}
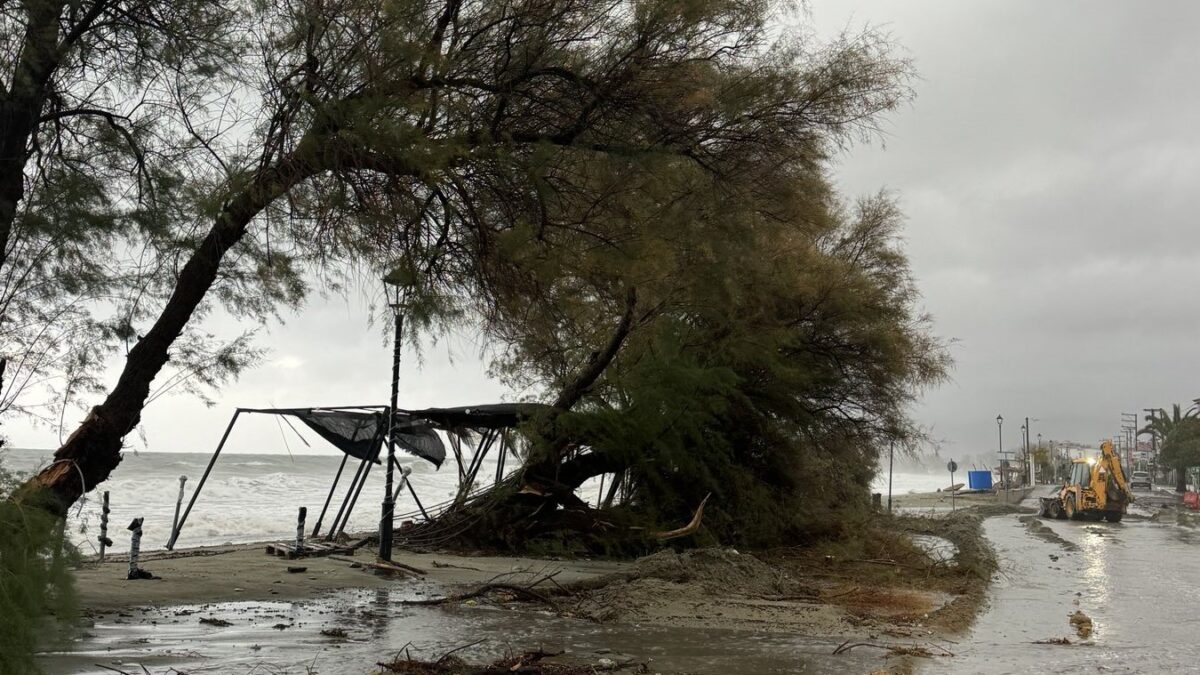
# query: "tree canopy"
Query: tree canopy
{"points": [[1176, 434], [631, 199]]}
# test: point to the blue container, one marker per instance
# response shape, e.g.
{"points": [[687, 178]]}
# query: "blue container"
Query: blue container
{"points": [[979, 480]]}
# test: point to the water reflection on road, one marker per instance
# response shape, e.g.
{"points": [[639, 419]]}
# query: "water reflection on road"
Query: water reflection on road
{"points": [[1135, 579]]}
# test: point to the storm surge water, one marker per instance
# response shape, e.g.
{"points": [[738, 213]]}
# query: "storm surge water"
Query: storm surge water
{"points": [[248, 497]]}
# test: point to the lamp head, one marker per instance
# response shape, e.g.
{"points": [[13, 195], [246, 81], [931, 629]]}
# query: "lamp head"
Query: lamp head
{"points": [[398, 284]]}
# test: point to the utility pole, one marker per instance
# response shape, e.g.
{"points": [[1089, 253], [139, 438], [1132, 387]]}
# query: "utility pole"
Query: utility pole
{"points": [[1129, 426]]}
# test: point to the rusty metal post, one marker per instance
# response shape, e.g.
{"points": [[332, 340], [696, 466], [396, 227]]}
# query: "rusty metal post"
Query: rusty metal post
{"points": [[105, 542]]}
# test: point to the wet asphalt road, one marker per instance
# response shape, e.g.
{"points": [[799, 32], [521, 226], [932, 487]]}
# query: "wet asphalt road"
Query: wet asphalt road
{"points": [[1138, 580]]}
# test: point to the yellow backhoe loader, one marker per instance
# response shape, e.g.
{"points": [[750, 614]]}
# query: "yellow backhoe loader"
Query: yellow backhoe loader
{"points": [[1096, 490]]}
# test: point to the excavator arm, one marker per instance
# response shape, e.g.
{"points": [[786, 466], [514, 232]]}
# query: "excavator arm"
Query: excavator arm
{"points": [[1113, 475]]}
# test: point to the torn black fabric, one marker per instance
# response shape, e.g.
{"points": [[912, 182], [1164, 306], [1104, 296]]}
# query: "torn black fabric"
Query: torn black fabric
{"points": [[358, 434], [417, 437]]}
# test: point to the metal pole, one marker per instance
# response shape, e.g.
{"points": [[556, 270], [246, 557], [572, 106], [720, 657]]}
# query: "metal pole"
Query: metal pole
{"points": [[1153, 445], [366, 461], [199, 486], [420, 506], [337, 477], [891, 458], [1028, 470], [1003, 463], [952, 490], [353, 497], [178, 503], [385, 524], [504, 452]]}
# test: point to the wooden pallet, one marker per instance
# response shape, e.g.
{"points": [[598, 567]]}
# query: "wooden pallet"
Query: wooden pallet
{"points": [[315, 549]]}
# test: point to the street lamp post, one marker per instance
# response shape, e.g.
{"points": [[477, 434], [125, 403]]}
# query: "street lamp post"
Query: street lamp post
{"points": [[1000, 439], [395, 296], [1025, 449], [1038, 451]]}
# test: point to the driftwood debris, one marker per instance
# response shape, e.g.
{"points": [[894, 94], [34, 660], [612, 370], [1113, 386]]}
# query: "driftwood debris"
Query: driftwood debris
{"points": [[921, 650], [384, 565], [291, 552], [527, 663], [526, 592]]}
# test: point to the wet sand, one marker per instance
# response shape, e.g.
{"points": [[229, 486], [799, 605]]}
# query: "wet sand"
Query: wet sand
{"points": [[238, 610], [235, 609], [916, 501], [241, 573]]}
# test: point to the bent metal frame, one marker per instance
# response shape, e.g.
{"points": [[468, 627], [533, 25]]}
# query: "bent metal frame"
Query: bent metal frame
{"points": [[472, 432]]}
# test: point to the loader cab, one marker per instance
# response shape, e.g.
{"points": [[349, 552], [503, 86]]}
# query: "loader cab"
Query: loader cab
{"points": [[1081, 474]]}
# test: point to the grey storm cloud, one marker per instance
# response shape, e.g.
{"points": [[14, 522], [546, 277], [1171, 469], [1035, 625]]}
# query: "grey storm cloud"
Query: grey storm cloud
{"points": [[1047, 168]]}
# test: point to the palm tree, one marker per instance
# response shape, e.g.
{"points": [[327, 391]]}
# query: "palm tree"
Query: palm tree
{"points": [[1160, 425]]}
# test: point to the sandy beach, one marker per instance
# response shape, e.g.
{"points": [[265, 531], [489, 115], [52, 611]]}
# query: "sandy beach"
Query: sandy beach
{"points": [[237, 609], [246, 572]]}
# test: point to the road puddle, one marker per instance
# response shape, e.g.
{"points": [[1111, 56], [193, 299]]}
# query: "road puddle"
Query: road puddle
{"points": [[1134, 580]]}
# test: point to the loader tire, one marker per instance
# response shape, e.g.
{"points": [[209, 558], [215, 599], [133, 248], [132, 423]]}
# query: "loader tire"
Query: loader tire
{"points": [[1059, 514], [1069, 510], [1113, 516]]}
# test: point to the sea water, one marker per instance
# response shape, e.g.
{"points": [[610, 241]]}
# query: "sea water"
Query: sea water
{"points": [[247, 498], [255, 497]]}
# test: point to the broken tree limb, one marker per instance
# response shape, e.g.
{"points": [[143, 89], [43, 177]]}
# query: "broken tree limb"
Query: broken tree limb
{"points": [[690, 528]]}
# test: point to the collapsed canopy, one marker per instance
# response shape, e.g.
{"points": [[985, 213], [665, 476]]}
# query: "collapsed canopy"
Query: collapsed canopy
{"points": [[359, 432]]}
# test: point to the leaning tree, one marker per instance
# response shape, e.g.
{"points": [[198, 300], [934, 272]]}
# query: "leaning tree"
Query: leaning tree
{"points": [[561, 171]]}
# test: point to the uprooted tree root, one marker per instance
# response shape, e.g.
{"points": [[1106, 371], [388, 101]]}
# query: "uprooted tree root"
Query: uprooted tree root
{"points": [[528, 663]]}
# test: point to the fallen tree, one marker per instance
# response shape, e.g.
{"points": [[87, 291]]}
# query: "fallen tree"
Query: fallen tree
{"points": [[775, 404]]}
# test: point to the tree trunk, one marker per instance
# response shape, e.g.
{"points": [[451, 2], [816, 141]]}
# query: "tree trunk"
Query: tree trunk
{"points": [[1181, 479], [21, 108], [94, 449], [543, 471]]}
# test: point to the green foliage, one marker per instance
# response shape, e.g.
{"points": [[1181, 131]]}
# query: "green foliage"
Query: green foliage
{"points": [[1178, 433], [36, 590], [107, 182], [769, 372], [1181, 447]]}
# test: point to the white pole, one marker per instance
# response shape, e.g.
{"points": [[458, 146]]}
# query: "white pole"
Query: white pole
{"points": [[178, 503]]}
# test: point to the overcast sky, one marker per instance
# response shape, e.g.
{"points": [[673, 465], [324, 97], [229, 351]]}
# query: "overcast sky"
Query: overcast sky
{"points": [[1047, 169]]}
